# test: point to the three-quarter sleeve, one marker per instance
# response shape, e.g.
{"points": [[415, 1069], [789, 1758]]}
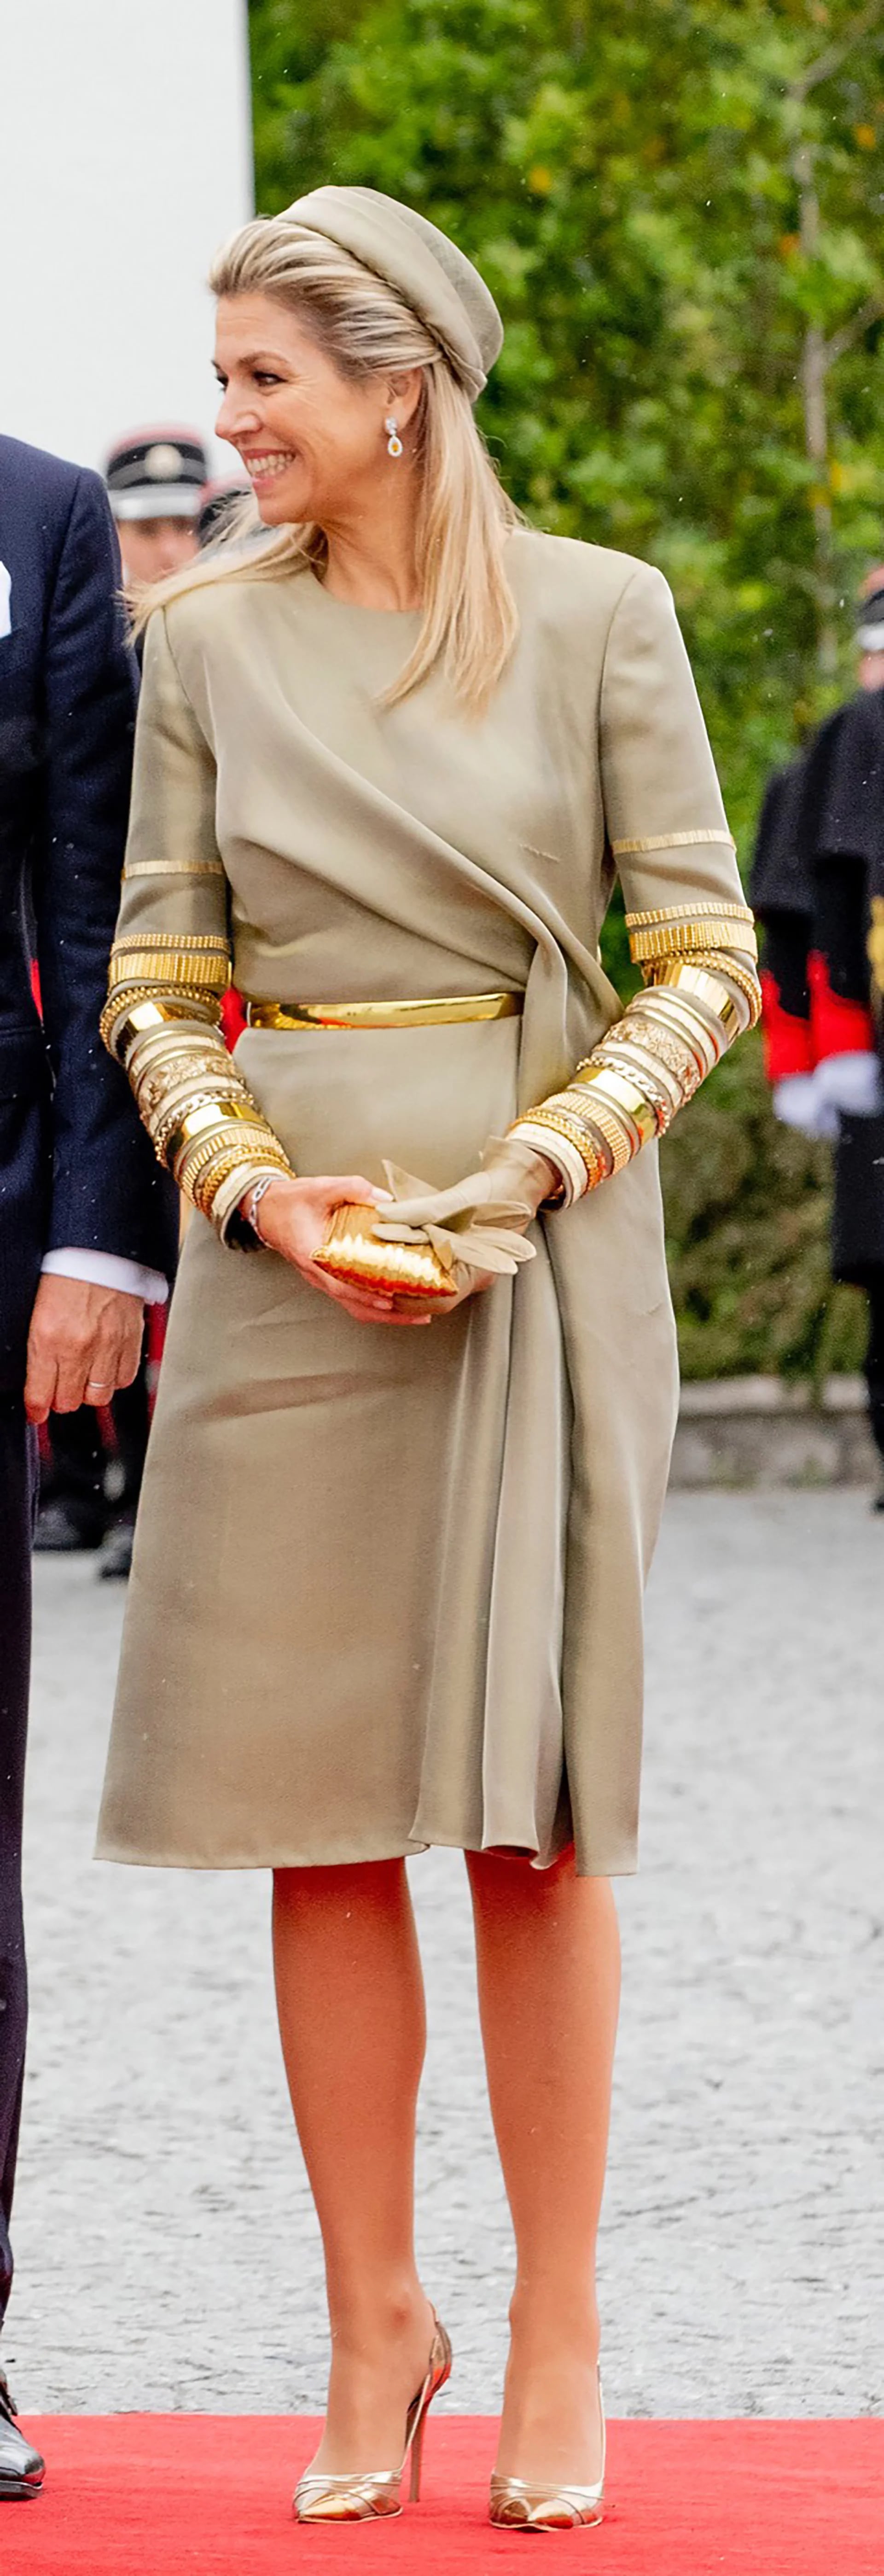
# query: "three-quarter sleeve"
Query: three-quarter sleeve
{"points": [[171, 959], [689, 926]]}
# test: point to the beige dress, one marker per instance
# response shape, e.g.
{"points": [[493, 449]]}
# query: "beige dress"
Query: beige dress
{"points": [[387, 1586]]}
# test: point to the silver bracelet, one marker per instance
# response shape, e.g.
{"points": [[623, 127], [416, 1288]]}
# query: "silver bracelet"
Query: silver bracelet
{"points": [[255, 1197]]}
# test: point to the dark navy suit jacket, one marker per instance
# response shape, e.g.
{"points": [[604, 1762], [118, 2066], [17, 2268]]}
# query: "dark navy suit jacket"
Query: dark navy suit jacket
{"points": [[76, 1166]]}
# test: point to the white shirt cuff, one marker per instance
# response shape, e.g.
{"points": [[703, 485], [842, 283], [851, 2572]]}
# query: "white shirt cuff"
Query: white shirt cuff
{"points": [[108, 1270]]}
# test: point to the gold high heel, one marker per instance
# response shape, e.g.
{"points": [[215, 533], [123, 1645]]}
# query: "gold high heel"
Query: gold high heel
{"points": [[517, 2505], [322, 2495]]}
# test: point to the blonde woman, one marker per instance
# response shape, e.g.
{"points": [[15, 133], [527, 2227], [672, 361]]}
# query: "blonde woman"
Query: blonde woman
{"points": [[408, 1459]]}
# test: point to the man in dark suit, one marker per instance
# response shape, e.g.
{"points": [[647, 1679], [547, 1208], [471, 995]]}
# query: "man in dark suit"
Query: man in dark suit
{"points": [[83, 1221], [155, 480]]}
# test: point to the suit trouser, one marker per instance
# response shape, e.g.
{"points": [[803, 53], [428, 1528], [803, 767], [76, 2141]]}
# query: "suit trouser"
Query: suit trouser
{"points": [[18, 1480], [874, 1366]]}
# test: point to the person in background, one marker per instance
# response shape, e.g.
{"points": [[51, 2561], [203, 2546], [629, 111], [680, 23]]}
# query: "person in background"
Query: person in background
{"points": [[218, 508], [82, 1235], [818, 887], [156, 480]]}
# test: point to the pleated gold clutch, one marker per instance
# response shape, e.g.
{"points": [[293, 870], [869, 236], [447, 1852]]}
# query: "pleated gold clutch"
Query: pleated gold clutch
{"points": [[350, 1250]]}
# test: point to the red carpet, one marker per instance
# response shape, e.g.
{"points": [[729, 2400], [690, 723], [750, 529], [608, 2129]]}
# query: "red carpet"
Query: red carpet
{"points": [[155, 2495]]}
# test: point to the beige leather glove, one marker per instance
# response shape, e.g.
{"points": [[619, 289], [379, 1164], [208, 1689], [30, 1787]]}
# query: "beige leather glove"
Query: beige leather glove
{"points": [[480, 1221]]}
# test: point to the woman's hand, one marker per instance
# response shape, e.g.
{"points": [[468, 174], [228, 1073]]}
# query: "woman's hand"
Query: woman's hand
{"points": [[292, 1219]]}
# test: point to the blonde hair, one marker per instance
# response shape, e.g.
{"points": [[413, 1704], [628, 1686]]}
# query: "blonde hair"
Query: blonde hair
{"points": [[470, 621]]}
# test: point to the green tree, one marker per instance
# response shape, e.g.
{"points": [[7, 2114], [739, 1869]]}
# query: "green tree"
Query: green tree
{"points": [[678, 206]]}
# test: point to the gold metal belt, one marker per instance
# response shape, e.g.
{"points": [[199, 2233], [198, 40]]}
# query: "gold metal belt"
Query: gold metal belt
{"points": [[383, 1015]]}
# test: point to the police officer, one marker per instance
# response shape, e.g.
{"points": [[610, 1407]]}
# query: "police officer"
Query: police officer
{"points": [[155, 483], [818, 886]]}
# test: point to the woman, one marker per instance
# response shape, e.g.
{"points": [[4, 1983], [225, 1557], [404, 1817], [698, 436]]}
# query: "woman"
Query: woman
{"points": [[387, 1584]]}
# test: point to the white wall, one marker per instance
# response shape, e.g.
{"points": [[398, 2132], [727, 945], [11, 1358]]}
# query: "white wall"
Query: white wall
{"points": [[125, 158]]}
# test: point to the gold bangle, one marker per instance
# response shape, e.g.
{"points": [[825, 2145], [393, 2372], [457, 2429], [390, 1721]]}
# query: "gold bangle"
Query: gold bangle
{"points": [[679, 1014], [210, 1182], [195, 943], [691, 912], [201, 1121], [203, 1158], [671, 1051], [748, 984], [165, 958], [550, 1114], [207, 1185], [621, 1055], [174, 939], [694, 1013], [168, 1054], [183, 1120], [157, 1073], [240, 1179], [681, 1056], [237, 1143], [631, 1055], [702, 981], [187, 974], [129, 1015], [622, 1095], [122, 1005], [683, 937], [744, 976], [669, 1062], [653, 1006], [614, 1134], [561, 1151]]}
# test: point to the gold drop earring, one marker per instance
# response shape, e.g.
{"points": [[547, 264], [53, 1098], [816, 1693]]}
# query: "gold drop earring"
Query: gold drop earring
{"points": [[394, 442]]}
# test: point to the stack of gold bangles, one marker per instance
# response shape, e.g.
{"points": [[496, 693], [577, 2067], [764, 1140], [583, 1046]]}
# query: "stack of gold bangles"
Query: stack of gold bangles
{"points": [[161, 1021], [162, 1014], [702, 990]]}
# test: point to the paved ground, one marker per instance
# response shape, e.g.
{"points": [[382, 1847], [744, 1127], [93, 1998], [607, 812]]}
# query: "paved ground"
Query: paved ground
{"points": [[167, 2254]]}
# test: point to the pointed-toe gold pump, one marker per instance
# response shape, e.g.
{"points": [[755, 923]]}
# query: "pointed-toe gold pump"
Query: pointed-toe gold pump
{"points": [[322, 2495], [519, 2504]]}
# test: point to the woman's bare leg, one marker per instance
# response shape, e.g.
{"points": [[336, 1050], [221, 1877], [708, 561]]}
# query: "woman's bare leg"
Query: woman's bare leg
{"points": [[351, 2017], [548, 1957]]}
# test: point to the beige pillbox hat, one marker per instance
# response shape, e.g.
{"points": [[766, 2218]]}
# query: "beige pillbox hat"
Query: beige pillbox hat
{"points": [[424, 267]]}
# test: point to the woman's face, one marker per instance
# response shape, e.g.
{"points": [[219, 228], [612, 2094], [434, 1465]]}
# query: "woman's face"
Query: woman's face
{"points": [[312, 443]]}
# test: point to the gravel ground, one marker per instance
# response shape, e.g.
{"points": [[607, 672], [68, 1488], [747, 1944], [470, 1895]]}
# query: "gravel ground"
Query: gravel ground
{"points": [[166, 2248]]}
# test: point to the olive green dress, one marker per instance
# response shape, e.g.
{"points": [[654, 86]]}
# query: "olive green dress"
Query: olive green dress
{"points": [[387, 1586]]}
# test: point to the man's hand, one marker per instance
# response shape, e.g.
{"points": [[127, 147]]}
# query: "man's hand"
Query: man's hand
{"points": [[84, 1342]]}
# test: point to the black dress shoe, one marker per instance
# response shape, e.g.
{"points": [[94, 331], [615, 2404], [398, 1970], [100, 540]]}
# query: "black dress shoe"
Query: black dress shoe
{"points": [[59, 1532], [21, 2468]]}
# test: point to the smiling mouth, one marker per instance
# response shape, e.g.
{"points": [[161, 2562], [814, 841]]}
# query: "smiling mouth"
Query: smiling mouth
{"points": [[263, 469]]}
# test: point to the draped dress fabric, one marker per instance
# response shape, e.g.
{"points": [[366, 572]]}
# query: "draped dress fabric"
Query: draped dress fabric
{"points": [[387, 1586]]}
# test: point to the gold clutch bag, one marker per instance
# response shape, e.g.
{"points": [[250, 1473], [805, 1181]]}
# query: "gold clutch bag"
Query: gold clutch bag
{"points": [[350, 1250]]}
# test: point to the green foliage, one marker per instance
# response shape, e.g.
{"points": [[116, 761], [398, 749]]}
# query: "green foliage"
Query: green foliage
{"points": [[623, 172], [626, 173]]}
